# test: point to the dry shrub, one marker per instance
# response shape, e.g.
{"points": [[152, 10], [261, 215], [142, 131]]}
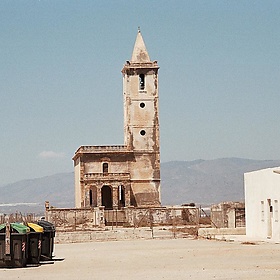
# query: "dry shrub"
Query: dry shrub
{"points": [[205, 220], [249, 243], [188, 230]]}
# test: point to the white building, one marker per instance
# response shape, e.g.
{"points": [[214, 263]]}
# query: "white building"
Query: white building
{"points": [[262, 197]]}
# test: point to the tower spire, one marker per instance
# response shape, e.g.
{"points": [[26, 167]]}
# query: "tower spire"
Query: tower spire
{"points": [[140, 53]]}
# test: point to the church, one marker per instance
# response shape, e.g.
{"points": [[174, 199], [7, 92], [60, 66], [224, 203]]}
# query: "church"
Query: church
{"points": [[126, 175]]}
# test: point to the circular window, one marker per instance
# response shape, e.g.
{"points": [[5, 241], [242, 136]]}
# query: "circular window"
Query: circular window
{"points": [[142, 132], [142, 105]]}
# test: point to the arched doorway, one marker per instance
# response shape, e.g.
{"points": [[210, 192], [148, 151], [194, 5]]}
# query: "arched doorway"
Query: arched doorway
{"points": [[106, 193], [121, 193]]}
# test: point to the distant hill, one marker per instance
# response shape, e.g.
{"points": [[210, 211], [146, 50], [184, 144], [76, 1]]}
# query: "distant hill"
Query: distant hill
{"points": [[206, 182], [203, 182], [30, 195]]}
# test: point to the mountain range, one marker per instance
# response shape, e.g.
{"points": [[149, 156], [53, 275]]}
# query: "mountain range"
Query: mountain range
{"points": [[203, 182]]}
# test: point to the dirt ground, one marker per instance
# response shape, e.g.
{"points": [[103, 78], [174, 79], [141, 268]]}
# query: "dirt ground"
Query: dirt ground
{"points": [[157, 259]]}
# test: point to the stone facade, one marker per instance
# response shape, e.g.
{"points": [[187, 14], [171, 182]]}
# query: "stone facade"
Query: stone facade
{"points": [[129, 174]]}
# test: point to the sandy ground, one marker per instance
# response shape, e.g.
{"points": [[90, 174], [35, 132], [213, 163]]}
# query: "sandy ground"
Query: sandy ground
{"points": [[157, 259]]}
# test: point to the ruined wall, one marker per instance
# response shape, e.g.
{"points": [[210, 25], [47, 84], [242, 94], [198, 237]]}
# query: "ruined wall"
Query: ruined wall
{"points": [[76, 219], [97, 218], [143, 217], [228, 215]]}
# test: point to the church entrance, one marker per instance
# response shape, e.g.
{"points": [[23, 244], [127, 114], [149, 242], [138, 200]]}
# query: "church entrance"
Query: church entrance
{"points": [[107, 199]]}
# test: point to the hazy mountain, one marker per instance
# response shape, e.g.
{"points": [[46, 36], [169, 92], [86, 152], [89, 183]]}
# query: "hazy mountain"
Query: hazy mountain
{"points": [[207, 181], [30, 195], [201, 181]]}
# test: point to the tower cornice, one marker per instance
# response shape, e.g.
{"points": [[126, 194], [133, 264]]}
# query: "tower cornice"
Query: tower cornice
{"points": [[131, 67]]}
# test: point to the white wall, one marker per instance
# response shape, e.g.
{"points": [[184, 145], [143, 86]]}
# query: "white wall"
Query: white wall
{"points": [[262, 199]]}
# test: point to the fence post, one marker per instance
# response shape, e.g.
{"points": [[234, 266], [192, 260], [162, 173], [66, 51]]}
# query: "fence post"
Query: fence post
{"points": [[173, 223], [151, 222], [8, 239], [75, 223]]}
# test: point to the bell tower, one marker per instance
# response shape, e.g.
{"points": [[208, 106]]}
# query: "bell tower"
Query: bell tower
{"points": [[141, 123]]}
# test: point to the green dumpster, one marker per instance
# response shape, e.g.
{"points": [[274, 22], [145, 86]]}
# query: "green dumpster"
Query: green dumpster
{"points": [[34, 243], [13, 245]]}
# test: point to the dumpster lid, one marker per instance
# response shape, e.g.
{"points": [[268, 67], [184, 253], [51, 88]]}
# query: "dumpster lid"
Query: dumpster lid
{"points": [[20, 228], [35, 227], [2, 226], [46, 225]]}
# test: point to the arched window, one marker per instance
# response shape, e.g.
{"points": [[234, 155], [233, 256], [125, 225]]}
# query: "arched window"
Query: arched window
{"points": [[141, 81], [105, 167]]}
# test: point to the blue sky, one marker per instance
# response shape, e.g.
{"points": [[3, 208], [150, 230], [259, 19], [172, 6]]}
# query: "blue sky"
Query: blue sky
{"points": [[61, 85]]}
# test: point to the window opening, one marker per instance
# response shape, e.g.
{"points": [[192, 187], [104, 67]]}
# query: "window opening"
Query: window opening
{"points": [[142, 105], [276, 210], [121, 196], [105, 167], [142, 132], [90, 197], [262, 211], [141, 81], [269, 218]]}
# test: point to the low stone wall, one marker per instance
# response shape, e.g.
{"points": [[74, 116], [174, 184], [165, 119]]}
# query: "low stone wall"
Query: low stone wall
{"points": [[117, 234], [72, 219], [211, 233], [104, 235]]}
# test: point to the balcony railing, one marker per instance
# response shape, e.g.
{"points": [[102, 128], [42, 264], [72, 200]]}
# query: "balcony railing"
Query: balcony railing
{"points": [[102, 149], [107, 176]]}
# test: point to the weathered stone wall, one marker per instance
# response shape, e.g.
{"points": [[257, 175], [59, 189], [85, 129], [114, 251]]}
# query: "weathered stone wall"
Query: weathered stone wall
{"points": [[76, 219], [162, 216], [120, 233], [228, 215], [211, 233], [103, 235], [95, 218]]}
